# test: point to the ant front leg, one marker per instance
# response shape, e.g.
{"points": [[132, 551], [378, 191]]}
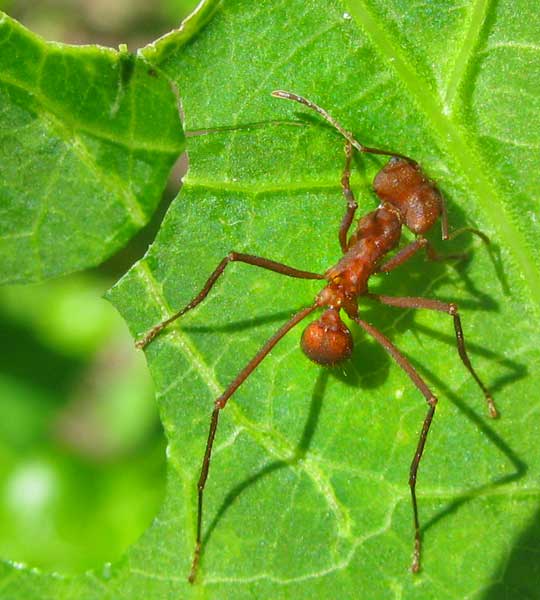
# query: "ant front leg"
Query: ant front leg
{"points": [[446, 235], [432, 403], [451, 309], [421, 242], [249, 259], [349, 197]]}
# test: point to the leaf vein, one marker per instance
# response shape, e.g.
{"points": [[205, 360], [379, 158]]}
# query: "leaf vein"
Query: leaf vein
{"points": [[457, 76]]}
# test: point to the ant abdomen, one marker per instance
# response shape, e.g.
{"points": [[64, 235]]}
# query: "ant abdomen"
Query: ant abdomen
{"points": [[327, 341], [402, 184]]}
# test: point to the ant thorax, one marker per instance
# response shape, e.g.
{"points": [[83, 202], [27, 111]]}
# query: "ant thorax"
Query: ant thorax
{"points": [[377, 233]]}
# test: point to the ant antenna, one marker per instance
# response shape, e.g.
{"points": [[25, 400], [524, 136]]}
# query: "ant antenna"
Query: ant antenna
{"points": [[346, 134]]}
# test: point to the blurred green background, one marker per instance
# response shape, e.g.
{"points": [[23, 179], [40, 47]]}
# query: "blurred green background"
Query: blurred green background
{"points": [[80, 438]]}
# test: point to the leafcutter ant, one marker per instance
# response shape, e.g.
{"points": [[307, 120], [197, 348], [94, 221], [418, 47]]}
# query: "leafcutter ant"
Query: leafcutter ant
{"points": [[407, 199]]}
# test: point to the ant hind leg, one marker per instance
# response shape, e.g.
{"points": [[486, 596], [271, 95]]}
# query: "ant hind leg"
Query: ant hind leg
{"points": [[219, 405], [432, 403], [451, 309]]}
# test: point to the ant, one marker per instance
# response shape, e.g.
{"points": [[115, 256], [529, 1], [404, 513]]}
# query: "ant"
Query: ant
{"points": [[407, 198]]}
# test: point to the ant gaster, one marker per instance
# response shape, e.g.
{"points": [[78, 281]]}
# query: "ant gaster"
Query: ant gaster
{"points": [[407, 198]]}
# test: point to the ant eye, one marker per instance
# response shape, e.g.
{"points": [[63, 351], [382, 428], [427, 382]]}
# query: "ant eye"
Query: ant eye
{"points": [[327, 344]]}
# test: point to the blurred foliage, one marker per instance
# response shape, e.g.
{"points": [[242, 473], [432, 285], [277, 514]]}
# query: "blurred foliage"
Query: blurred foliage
{"points": [[79, 432], [107, 23], [80, 437]]}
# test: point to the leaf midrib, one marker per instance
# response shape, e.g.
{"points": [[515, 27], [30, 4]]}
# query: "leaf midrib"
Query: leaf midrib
{"points": [[462, 151], [461, 65]]}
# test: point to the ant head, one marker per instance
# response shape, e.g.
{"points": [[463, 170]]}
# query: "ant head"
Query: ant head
{"points": [[327, 341], [402, 184]]}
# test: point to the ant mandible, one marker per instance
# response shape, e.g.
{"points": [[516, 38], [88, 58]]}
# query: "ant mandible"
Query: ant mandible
{"points": [[407, 198]]}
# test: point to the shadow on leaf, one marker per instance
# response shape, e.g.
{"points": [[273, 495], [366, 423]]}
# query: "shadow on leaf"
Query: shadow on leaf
{"points": [[519, 466], [519, 574], [299, 453]]}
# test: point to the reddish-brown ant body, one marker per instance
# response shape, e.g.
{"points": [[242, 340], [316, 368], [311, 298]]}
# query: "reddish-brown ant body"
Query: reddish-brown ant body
{"points": [[407, 198]]}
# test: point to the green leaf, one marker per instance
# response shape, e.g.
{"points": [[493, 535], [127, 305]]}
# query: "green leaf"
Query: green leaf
{"points": [[308, 495], [88, 136]]}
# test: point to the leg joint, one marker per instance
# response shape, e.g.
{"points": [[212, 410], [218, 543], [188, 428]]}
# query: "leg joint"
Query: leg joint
{"points": [[453, 309]]}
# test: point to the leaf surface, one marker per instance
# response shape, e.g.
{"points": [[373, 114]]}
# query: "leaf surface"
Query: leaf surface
{"points": [[87, 139], [307, 495]]}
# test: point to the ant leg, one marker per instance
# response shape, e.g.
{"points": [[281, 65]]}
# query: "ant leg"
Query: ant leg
{"points": [[451, 309], [403, 255], [219, 405], [349, 196], [411, 249], [450, 236], [432, 403], [257, 261]]}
